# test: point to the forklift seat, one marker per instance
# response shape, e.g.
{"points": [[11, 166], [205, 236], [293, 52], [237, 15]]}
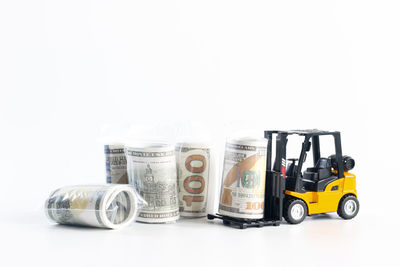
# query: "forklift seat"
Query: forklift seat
{"points": [[322, 170], [318, 177]]}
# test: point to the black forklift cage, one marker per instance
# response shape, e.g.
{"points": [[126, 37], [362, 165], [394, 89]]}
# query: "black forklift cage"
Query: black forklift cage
{"points": [[308, 134]]}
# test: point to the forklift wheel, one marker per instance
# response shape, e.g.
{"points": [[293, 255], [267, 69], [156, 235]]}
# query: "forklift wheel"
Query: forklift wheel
{"points": [[295, 211], [348, 207]]}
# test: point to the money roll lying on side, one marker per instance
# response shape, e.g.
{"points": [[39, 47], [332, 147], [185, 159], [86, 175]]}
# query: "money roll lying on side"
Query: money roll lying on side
{"points": [[115, 164], [104, 206], [193, 164], [152, 172], [243, 181]]}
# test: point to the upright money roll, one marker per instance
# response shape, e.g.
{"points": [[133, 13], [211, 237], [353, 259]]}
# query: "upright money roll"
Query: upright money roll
{"points": [[104, 206], [152, 171], [193, 165], [115, 164], [243, 182]]}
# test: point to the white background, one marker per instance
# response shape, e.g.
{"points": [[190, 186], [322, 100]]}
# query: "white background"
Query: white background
{"points": [[70, 69]]}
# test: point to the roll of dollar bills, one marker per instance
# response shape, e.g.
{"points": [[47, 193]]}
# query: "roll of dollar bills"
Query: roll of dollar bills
{"points": [[152, 171], [104, 206], [243, 183], [115, 164], [193, 165]]}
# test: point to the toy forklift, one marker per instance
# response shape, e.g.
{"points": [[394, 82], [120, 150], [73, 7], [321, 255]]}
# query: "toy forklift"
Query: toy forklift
{"points": [[293, 194]]}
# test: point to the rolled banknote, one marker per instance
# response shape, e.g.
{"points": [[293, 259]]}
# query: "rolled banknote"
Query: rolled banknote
{"points": [[243, 181], [193, 165], [115, 164], [104, 206], [152, 171]]}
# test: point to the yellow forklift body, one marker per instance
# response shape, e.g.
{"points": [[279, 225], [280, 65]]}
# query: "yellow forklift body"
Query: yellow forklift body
{"points": [[328, 200]]}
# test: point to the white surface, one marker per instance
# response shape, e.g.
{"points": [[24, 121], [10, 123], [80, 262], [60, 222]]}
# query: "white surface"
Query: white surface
{"points": [[324, 240], [72, 70]]}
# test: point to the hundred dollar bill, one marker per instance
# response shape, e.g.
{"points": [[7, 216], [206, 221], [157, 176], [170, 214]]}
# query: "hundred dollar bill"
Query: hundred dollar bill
{"points": [[193, 165], [152, 171], [243, 184], [104, 206], [115, 164]]}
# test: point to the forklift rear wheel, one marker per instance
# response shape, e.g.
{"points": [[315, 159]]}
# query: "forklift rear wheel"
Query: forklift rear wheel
{"points": [[348, 207], [295, 211]]}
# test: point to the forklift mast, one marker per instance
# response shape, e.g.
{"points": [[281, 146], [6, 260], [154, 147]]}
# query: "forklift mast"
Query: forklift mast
{"points": [[275, 183]]}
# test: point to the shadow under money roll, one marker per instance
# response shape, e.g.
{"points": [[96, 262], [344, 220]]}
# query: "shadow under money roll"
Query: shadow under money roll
{"points": [[243, 181], [104, 206], [193, 164], [152, 172]]}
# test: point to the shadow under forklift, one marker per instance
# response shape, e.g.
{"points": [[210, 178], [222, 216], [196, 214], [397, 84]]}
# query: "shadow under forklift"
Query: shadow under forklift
{"points": [[293, 194]]}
